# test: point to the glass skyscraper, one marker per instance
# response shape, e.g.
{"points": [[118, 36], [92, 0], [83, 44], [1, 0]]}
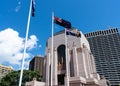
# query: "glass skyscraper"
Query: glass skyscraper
{"points": [[105, 46]]}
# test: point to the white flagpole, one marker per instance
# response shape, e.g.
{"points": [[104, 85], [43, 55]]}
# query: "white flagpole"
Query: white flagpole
{"points": [[27, 30], [52, 48], [67, 64]]}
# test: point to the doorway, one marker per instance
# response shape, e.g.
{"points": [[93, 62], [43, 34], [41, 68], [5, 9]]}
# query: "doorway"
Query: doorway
{"points": [[61, 79]]}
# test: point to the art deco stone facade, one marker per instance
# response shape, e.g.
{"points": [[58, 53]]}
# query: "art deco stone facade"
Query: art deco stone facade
{"points": [[81, 65]]}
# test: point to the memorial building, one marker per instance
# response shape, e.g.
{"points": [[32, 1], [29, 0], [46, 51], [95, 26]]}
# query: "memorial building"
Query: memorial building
{"points": [[80, 69]]}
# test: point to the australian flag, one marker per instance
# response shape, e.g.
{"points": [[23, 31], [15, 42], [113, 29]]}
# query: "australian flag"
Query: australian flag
{"points": [[73, 34], [33, 8], [62, 22]]}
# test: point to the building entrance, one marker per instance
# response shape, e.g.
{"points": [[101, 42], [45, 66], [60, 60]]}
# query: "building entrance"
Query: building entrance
{"points": [[61, 79]]}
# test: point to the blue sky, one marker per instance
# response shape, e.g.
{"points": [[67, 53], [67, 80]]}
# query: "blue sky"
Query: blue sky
{"points": [[85, 15]]}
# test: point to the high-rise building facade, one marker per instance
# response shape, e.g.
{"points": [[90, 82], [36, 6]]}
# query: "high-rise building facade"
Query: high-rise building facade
{"points": [[105, 46], [4, 70], [36, 64]]}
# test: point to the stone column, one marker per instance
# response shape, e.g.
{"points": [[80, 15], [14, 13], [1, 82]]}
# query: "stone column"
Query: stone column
{"points": [[94, 72], [84, 63], [48, 68], [55, 71], [68, 61], [75, 61], [93, 63], [67, 81], [88, 62]]}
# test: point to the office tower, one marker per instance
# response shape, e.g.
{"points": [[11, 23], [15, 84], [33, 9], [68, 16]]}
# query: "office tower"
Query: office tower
{"points": [[4, 70], [105, 47], [36, 64]]}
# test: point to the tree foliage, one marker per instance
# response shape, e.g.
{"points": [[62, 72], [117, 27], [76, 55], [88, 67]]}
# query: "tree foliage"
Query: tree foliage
{"points": [[12, 79]]}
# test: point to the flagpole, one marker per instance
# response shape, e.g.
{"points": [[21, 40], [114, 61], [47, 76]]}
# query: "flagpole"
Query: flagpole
{"points": [[67, 64], [27, 30], [52, 49]]}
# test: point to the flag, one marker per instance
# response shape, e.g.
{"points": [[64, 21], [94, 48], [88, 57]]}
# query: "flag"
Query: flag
{"points": [[73, 34], [33, 8], [62, 22], [78, 34]]}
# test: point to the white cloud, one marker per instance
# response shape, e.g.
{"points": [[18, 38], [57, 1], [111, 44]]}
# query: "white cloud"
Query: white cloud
{"points": [[32, 42], [11, 46], [40, 46], [18, 7]]}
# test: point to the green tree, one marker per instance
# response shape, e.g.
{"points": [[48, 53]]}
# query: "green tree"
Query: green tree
{"points": [[12, 79]]}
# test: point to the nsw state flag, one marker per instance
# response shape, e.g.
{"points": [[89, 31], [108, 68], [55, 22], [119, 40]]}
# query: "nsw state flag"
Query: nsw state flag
{"points": [[70, 33], [62, 22]]}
